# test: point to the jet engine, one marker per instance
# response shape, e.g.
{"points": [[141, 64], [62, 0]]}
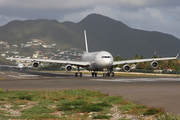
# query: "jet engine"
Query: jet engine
{"points": [[29, 68], [126, 68], [11, 68], [154, 64], [35, 65], [68, 68]]}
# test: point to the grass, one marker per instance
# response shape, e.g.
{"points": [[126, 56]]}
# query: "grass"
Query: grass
{"points": [[70, 104], [168, 116], [1, 90], [133, 108], [101, 117]]}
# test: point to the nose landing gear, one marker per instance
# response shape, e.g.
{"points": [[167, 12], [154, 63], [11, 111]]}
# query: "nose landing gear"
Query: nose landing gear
{"points": [[108, 74], [78, 74]]}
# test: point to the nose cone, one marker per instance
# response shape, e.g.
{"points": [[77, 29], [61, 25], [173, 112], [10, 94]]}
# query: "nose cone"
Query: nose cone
{"points": [[20, 65], [104, 61], [107, 63]]}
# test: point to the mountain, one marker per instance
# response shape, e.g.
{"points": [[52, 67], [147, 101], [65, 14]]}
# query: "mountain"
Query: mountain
{"points": [[103, 33]]}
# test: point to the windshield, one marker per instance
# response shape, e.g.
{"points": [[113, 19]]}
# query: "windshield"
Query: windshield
{"points": [[106, 57]]}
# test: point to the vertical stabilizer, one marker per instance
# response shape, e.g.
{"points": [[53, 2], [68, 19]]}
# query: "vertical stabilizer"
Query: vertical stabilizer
{"points": [[86, 41]]}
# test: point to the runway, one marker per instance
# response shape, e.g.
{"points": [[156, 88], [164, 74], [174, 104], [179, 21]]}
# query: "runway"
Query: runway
{"points": [[163, 92]]}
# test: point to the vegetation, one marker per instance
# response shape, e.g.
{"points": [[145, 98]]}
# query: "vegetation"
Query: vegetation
{"points": [[1, 90], [132, 108], [71, 104], [168, 116]]}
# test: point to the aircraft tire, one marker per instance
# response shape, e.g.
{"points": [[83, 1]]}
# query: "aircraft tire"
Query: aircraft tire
{"points": [[112, 75], [108, 74], [76, 74], [95, 74], [80, 74], [92, 74]]}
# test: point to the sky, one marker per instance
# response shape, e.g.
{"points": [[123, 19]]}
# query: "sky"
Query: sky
{"points": [[150, 15]]}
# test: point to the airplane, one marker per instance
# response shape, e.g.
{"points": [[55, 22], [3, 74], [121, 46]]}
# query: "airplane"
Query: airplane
{"points": [[95, 61], [20, 66]]}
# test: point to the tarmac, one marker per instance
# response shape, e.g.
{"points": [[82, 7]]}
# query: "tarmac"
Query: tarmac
{"points": [[162, 92]]}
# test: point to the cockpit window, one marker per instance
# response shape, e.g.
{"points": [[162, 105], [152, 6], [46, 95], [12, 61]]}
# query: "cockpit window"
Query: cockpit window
{"points": [[106, 57]]}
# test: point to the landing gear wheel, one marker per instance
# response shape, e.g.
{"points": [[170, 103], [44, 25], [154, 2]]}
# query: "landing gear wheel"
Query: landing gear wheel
{"points": [[78, 74], [108, 74], [112, 74], [92, 74], [95, 74]]}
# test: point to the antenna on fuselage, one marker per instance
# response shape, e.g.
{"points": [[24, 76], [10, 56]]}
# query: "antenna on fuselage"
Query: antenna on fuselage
{"points": [[86, 41]]}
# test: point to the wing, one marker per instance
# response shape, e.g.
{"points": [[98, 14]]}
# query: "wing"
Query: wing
{"points": [[77, 63], [143, 60]]}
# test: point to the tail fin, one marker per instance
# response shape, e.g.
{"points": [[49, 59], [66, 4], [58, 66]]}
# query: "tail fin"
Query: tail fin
{"points": [[177, 55], [86, 41]]}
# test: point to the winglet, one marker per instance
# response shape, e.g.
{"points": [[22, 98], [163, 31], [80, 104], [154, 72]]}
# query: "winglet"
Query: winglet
{"points": [[86, 41], [177, 55]]}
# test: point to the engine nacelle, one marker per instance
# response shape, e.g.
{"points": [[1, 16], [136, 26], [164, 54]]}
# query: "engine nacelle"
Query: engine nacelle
{"points": [[11, 68], [154, 64], [29, 68], [68, 68], [35, 65], [126, 68]]}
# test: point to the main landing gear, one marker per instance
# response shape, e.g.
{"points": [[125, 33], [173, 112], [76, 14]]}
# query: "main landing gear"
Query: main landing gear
{"points": [[105, 74], [109, 74], [94, 74], [78, 74]]}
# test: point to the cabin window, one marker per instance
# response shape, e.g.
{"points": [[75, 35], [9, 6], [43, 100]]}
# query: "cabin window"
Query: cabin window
{"points": [[106, 57]]}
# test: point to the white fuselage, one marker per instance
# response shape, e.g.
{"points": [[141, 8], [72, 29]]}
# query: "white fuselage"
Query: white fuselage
{"points": [[98, 60], [20, 65]]}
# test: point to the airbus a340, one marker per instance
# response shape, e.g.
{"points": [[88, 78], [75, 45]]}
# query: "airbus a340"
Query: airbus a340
{"points": [[95, 61], [19, 66]]}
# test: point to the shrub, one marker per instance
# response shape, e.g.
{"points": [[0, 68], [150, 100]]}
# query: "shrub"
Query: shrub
{"points": [[103, 104], [73, 105], [91, 108], [25, 97], [168, 116], [82, 106], [36, 110], [101, 117], [114, 99], [154, 111]]}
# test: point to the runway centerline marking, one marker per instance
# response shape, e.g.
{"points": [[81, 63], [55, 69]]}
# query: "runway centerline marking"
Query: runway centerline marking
{"points": [[28, 75], [137, 79], [23, 76], [14, 76]]}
